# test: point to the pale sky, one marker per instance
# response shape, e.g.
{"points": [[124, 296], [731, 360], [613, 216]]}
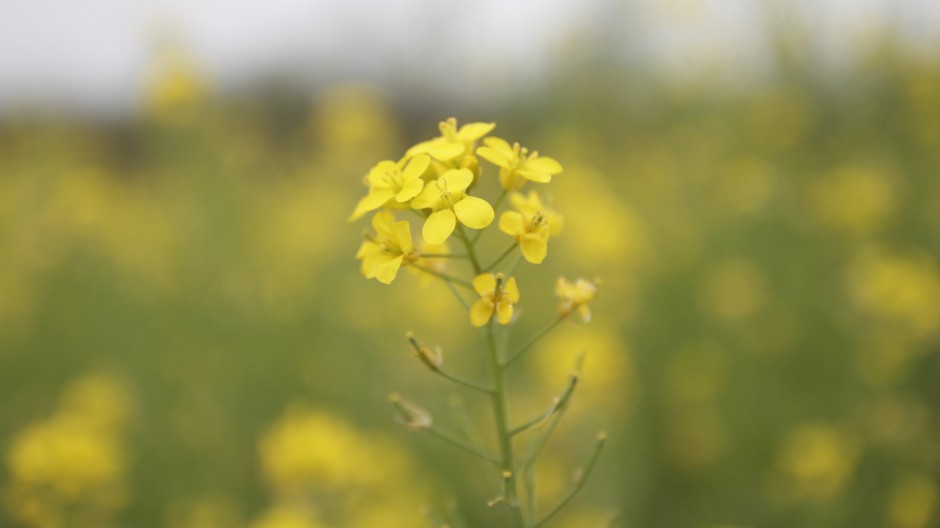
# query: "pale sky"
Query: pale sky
{"points": [[94, 54]]}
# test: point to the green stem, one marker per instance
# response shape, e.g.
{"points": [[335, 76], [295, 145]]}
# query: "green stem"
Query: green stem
{"points": [[470, 252], [557, 405], [466, 383], [535, 339], [472, 435], [444, 276], [501, 414], [501, 257], [457, 442], [580, 479], [499, 201]]}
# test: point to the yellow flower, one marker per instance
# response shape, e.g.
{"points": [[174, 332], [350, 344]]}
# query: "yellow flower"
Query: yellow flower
{"points": [[383, 254], [448, 199], [532, 204], [575, 296], [531, 226], [397, 182], [516, 165], [452, 142], [496, 297]]}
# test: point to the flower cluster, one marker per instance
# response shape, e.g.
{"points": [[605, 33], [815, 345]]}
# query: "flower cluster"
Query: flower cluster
{"points": [[441, 182], [437, 181]]}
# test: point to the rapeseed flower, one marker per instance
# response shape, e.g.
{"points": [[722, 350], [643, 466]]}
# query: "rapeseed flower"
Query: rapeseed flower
{"points": [[516, 165], [531, 225], [448, 199], [394, 183], [532, 204], [575, 296], [496, 297], [452, 142], [384, 253]]}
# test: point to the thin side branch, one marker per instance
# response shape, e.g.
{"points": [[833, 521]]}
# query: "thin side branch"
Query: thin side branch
{"points": [[580, 478], [556, 406]]}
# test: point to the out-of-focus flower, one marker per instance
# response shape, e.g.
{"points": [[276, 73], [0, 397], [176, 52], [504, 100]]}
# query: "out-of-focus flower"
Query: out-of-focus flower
{"points": [[383, 254], [530, 225], [816, 461], [516, 165], [452, 142], [913, 502], [283, 516], [354, 478], [855, 199], [72, 464], [575, 296], [448, 199], [532, 204], [395, 182], [496, 296]]}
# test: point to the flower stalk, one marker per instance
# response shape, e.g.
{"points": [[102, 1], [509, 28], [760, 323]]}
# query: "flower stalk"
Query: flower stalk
{"points": [[436, 181]]}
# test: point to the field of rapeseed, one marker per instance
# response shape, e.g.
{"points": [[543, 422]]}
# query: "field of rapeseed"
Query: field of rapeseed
{"points": [[187, 340]]}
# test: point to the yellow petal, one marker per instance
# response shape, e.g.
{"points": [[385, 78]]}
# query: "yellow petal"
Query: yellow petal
{"points": [[503, 312], [403, 236], [457, 180], [421, 148], [439, 226], [511, 290], [493, 156], [409, 190], [484, 283], [533, 248], [480, 313], [385, 271], [585, 312], [377, 175], [535, 176], [445, 151], [512, 223], [384, 224], [500, 146], [416, 167], [371, 202], [367, 247], [429, 197], [544, 164], [474, 212], [474, 131]]}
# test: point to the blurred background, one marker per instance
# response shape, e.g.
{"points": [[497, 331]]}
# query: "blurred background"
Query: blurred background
{"points": [[186, 340]]}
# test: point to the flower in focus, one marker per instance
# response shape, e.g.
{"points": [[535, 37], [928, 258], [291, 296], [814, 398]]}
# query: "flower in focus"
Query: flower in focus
{"points": [[384, 253], [516, 165], [448, 199], [496, 297], [393, 181], [575, 296], [452, 142], [531, 225]]}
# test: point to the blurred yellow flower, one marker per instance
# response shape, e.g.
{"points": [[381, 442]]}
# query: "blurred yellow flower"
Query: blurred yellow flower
{"points": [[449, 202], [383, 254], [816, 460], [72, 464], [516, 165], [530, 225], [575, 296], [496, 296], [532, 204], [286, 517], [913, 502], [452, 142], [388, 180]]}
